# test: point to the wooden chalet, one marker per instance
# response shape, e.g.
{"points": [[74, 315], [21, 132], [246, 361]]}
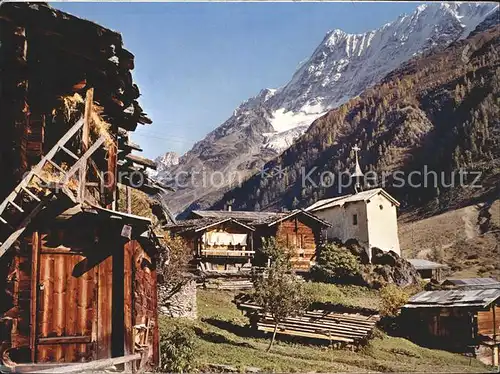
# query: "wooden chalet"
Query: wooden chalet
{"points": [[78, 277], [222, 245], [465, 321], [298, 230]]}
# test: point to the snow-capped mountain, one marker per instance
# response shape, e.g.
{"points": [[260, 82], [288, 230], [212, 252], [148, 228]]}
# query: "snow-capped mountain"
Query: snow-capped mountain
{"points": [[164, 163], [340, 68]]}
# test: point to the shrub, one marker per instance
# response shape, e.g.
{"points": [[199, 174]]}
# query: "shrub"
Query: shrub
{"points": [[335, 264], [177, 348], [393, 298], [172, 266]]}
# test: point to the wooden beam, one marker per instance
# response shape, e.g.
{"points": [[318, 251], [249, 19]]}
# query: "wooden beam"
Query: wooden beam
{"points": [[141, 161], [494, 323], [129, 199], [33, 368], [65, 340], [75, 157], [84, 158], [35, 249], [89, 98], [92, 365], [15, 235]]}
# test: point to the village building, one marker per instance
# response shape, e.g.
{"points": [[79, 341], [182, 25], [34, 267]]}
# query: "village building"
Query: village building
{"points": [[222, 245], [428, 269], [368, 216], [78, 277], [230, 241], [471, 283], [464, 321]]}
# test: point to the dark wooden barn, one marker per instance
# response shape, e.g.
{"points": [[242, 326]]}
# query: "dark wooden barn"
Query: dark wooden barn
{"points": [[80, 284], [78, 277], [465, 321], [470, 283], [428, 269]]}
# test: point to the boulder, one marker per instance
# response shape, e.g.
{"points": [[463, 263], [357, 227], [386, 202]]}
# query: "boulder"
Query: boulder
{"points": [[386, 267], [357, 250], [380, 257]]}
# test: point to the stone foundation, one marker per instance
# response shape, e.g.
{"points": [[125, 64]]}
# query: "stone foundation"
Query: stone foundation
{"points": [[181, 304]]}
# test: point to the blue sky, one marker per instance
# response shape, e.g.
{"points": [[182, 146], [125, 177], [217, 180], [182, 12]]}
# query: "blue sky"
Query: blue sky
{"points": [[196, 62]]}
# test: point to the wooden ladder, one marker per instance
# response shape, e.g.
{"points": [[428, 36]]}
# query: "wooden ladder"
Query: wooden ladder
{"points": [[24, 201]]}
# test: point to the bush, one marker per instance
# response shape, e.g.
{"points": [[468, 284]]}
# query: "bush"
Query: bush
{"points": [[335, 264], [393, 298], [177, 348]]}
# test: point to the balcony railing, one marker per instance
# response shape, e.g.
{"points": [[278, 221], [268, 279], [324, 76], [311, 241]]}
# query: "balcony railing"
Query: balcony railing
{"points": [[227, 252]]}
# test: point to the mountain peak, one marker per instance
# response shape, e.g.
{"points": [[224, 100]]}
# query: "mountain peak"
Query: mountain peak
{"points": [[333, 36], [340, 68]]}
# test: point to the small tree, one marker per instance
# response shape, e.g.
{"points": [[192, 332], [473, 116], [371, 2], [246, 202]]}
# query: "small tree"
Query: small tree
{"points": [[335, 264], [279, 292]]}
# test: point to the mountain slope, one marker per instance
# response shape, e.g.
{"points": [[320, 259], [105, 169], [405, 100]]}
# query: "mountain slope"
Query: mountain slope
{"points": [[466, 239], [437, 113], [340, 68]]}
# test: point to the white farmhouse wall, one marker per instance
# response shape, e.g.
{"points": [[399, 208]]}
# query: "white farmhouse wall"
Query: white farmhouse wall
{"points": [[382, 224], [341, 219]]}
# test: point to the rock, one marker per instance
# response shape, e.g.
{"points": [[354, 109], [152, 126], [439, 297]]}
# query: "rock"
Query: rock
{"points": [[388, 267], [380, 257], [433, 285], [357, 250], [252, 369], [221, 368], [181, 304]]}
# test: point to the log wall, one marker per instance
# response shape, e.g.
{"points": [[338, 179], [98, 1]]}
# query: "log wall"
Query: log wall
{"points": [[145, 298], [65, 302], [45, 55], [486, 321], [301, 238], [15, 305]]}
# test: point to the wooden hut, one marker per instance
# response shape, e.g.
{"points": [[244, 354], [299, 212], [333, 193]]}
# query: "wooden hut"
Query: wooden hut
{"points": [[78, 277], [428, 269], [80, 286], [465, 321], [299, 230], [471, 283]]}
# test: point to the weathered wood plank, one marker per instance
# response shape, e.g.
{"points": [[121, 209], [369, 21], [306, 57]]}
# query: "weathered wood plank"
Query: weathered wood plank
{"points": [[17, 233], [105, 272], [92, 365], [72, 171], [65, 340], [35, 249], [89, 98]]}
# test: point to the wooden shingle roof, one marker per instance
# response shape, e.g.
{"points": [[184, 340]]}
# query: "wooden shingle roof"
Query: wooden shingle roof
{"points": [[256, 218], [472, 283], [200, 224], [454, 298]]}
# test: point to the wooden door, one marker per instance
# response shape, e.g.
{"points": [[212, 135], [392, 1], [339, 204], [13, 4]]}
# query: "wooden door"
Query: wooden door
{"points": [[67, 308]]}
